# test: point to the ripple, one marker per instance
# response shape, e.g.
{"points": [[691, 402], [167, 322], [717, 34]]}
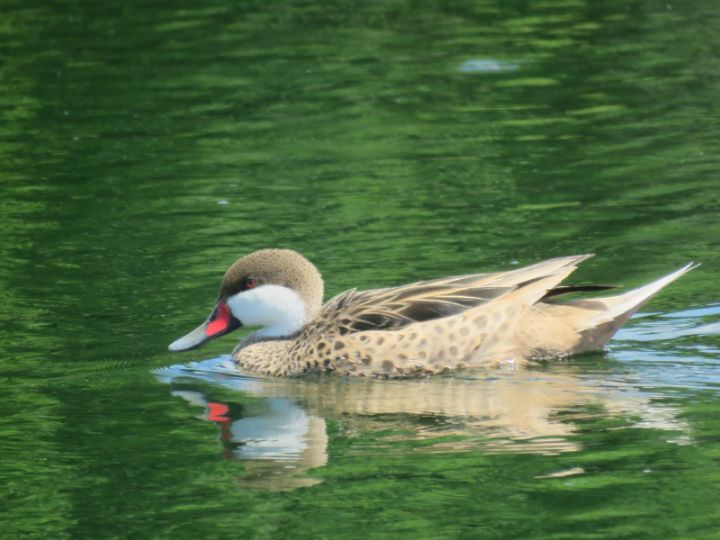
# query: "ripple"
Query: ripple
{"points": [[668, 326]]}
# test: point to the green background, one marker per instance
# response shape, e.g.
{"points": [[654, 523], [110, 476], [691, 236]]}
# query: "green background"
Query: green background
{"points": [[144, 146]]}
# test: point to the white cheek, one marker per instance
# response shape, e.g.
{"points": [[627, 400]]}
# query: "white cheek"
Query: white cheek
{"points": [[279, 309]]}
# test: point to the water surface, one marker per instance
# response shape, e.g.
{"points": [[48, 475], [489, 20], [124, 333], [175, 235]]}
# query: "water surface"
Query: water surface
{"points": [[144, 148]]}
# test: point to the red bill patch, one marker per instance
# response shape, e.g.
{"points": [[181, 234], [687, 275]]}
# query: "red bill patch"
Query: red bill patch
{"points": [[217, 412], [220, 322]]}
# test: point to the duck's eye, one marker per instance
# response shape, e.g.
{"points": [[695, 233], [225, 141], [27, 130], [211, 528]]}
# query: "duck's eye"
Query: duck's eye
{"points": [[250, 282]]}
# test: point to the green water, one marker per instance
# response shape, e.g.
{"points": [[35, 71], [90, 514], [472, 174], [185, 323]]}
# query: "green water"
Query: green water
{"points": [[145, 146]]}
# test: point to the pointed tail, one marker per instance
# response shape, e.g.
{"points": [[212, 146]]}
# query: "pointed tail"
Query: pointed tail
{"points": [[605, 316], [623, 306]]}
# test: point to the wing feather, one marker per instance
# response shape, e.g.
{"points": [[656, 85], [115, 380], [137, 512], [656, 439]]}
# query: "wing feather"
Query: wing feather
{"points": [[395, 307]]}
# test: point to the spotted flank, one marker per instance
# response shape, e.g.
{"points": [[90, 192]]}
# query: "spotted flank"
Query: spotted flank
{"points": [[424, 328]]}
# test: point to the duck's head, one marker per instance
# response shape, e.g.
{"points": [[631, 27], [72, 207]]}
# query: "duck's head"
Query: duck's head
{"points": [[276, 289]]}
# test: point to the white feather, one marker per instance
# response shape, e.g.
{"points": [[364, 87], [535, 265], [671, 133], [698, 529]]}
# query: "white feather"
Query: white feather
{"points": [[279, 310]]}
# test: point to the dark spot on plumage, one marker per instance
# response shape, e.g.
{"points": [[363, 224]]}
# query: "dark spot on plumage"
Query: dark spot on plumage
{"points": [[338, 345]]}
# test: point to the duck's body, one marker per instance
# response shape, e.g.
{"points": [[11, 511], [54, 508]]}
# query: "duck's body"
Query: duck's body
{"points": [[419, 329]]}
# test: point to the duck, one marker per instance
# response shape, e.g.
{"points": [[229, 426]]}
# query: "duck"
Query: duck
{"points": [[440, 325]]}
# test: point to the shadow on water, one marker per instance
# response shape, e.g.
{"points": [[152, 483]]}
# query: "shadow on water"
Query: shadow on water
{"points": [[278, 427]]}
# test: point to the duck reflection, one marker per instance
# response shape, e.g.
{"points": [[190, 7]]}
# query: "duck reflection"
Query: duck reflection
{"points": [[277, 427], [275, 437]]}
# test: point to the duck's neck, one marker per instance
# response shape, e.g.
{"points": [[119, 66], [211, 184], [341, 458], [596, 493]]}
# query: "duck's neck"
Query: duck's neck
{"points": [[259, 337], [266, 355]]}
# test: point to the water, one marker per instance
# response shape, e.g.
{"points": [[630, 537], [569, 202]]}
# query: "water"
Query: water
{"points": [[144, 148]]}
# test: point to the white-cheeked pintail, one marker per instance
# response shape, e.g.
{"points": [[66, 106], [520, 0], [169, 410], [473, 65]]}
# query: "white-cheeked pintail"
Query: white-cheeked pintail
{"points": [[450, 323]]}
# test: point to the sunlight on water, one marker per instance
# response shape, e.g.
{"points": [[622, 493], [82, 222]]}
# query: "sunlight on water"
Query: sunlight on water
{"points": [[691, 363], [486, 66]]}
